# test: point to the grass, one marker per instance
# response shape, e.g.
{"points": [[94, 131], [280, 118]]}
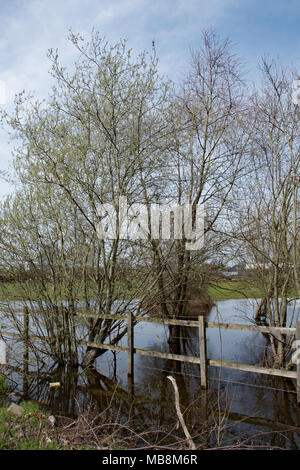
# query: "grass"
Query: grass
{"points": [[226, 290], [29, 290], [108, 431], [91, 430], [34, 431], [246, 289], [218, 290], [11, 291], [26, 432]]}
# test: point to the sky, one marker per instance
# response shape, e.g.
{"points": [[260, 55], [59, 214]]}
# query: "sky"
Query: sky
{"points": [[29, 28]]}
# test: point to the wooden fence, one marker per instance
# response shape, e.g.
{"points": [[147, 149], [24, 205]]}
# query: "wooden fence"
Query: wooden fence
{"points": [[201, 324]]}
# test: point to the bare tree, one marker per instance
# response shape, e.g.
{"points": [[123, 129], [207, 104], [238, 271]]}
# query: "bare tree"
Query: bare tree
{"points": [[269, 223], [207, 151]]}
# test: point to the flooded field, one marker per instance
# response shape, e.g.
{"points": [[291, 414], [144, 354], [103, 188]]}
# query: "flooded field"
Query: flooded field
{"points": [[239, 406]]}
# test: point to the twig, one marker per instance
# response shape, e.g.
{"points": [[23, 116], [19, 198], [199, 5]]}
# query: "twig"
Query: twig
{"points": [[179, 414]]}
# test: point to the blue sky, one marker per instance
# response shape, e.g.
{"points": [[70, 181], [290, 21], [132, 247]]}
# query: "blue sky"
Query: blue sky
{"points": [[30, 27]]}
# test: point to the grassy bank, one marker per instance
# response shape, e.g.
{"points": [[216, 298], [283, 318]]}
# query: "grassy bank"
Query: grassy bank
{"points": [[18, 291], [25, 432], [248, 289], [34, 429], [218, 290], [226, 290]]}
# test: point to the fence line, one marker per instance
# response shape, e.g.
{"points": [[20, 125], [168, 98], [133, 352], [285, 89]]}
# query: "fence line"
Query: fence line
{"points": [[202, 359]]}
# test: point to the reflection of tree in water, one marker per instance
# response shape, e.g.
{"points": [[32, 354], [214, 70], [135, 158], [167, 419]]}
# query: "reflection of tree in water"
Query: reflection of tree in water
{"points": [[286, 411], [261, 409], [34, 386], [281, 399], [150, 370], [152, 375], [249, 418], [108, 395], [153, 408], [80, 389], [278, 430]]}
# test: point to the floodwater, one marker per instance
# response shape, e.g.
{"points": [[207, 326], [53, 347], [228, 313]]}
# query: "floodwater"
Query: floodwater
{"points": [[240, 408]]}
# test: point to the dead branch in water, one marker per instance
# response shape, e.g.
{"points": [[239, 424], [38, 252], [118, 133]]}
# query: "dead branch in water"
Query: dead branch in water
{"points": [[179, 414]]}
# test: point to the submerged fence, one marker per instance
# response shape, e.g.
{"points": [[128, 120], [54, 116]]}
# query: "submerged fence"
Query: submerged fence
{"points": [[201, 324], [202, 359]]}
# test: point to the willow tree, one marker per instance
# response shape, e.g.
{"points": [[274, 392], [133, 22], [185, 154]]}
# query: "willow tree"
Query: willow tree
{"points": [[103, 125], [209, 143]]}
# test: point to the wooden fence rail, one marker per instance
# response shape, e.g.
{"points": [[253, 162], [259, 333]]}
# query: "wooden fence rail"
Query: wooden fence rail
{"points": [[202, 360]]}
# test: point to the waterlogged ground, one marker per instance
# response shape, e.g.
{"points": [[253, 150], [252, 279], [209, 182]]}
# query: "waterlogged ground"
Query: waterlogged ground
{"points": [[239, 409]]}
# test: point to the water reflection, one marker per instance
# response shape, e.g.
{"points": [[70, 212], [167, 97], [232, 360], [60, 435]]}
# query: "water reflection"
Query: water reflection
{"points": [[255, 405]]}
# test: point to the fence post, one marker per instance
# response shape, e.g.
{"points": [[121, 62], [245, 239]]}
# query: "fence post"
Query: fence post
{"points": [[202, 351], [298, 362], [130, 363]]}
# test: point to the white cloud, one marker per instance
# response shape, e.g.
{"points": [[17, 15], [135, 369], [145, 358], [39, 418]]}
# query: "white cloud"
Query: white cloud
{"points": [[41, 24], [31, 27]]}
